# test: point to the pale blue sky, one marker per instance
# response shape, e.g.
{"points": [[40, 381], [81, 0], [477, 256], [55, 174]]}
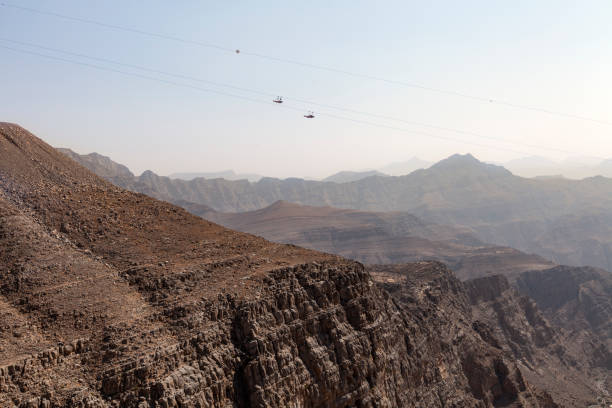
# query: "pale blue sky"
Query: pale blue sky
{"points": [[551, 54]]}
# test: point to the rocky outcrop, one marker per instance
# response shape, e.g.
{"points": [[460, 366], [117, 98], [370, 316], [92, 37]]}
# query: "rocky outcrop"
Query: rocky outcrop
{"points": [[516, 316], [509, 323], [433, 297], [548, 355], [579, 299]]}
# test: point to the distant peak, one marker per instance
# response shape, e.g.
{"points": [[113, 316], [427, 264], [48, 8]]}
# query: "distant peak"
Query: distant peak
{"points": [[470, 163], [458, 159], [148, 173], [464, 158]]}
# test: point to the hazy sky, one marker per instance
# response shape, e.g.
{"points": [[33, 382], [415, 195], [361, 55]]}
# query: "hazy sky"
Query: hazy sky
{"points": [[555, 55]]}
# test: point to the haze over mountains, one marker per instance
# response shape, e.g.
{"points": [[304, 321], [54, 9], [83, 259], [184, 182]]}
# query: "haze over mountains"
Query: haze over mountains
{"points": [[377, 238], [573, 168], [405, 167], [394, 169], [565, 221], [226, 174], [112, 298], [534, 166], [348, 176], [528, 167]]}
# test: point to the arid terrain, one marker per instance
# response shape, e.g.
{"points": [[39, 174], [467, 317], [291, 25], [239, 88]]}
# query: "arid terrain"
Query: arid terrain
{"points": [[565, 221], [376, 238], [547, 348], [111, 298], [305, 205]]}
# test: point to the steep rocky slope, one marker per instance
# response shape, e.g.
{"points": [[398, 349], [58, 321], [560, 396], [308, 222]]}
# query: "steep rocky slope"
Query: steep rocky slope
{"points": [[111, 298], [375, 238], [566, 221], [548, 356], [509, 322], [579, 299]]}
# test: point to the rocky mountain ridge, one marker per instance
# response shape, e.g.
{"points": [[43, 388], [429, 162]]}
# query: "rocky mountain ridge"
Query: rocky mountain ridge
{"points": [[101, 165], [111, 298]]}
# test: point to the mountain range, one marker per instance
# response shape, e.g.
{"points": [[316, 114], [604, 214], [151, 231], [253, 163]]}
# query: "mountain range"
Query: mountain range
{"points": [[530, 167], [226, 174], [348, 176], [565, 221], [377, 238], [113, 298], [573, 168], [393, 169]]}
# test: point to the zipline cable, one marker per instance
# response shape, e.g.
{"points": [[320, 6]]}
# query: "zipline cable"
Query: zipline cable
{"points": [[308, 102], [488, 100], [259, 101]]}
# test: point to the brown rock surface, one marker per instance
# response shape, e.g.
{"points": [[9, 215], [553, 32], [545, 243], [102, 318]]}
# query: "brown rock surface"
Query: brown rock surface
{"points": [[548, 357], [438, 305], [112, 299], [511, 325], [579, 299]]}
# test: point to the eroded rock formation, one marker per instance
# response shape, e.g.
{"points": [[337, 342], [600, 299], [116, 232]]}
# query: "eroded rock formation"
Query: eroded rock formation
{"points": [[113, 299]]}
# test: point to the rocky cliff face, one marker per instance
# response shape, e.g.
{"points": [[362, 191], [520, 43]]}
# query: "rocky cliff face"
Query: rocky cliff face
{"points": [[433, 297], [113, 299], [580, 300], [511, 324], [547, 356]]}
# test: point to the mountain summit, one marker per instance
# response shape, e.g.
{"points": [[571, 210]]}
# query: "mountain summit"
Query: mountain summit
{"points": [[458, 160], [467, 163]]}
